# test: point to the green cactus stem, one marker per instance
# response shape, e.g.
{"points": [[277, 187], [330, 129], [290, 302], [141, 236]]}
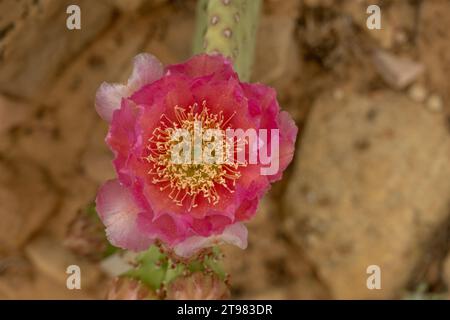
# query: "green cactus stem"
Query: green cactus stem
{"points": [[228, 27], [155, 269]]}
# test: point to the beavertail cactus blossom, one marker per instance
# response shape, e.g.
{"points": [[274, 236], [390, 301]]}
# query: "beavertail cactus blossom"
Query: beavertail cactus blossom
{"points": [[186, 206]]}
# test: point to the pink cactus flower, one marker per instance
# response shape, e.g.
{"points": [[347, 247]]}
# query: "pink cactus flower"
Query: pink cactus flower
{"points": [[185, 206]]}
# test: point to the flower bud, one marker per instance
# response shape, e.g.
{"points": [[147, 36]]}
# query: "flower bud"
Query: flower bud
{"points": [[198, 286], [124, 288]]}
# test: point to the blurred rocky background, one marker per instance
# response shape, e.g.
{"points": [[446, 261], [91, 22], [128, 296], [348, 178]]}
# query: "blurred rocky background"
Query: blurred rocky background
{"points": [[369, 184]]}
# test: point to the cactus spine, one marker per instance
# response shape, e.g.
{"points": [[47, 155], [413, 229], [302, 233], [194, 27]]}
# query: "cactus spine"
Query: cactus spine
{"points": [[228, 27]]}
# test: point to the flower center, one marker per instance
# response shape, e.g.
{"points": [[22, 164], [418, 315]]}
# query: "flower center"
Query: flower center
{"points": [[187, 181]]}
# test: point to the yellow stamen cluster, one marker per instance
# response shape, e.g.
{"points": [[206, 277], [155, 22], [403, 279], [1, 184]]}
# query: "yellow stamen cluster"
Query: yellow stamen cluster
{"points": [[187, 182]]}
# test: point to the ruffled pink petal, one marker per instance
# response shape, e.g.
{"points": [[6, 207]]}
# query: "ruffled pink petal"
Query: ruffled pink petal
{"points": [[247, 209], [262, 99], [165, 93], [108, 98], [288, 135], [208, 225], [124, 141], [146, 69], [235, 234], [217, 66], [118, 211], [263, 105]]}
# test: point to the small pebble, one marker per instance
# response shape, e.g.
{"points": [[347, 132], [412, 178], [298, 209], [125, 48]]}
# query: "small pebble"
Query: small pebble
{"points": [[418, 93], [396, 71], [400, 37], [434, 103], [338, 94]]}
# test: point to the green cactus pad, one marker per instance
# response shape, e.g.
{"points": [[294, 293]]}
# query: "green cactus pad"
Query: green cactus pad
{"points": [[228, 27], [155, 269]]}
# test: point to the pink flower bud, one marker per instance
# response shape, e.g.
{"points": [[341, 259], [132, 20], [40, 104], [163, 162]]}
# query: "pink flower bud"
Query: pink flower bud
{"points": [[198, 286]]}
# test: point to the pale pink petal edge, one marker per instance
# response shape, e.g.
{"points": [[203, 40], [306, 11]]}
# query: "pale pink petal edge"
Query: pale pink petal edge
{"points": [[235, 234], [146, 69], [108, 98], [118, 211]]}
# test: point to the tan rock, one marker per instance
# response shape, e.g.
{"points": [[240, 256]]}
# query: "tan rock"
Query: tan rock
{"points": [[135, 5], [26, 202], [12, 113], [435, 103], [176, 44], [272, 294], [85, 236], [128, 5], [371, 188], [40, 287], [446, 271], [432, 42], [270, 261], [418, 93], [276, 60], [52, 260], [76, 198], [247, 268], [71, 100], [41, 29], [98, 164], [395, 18]]}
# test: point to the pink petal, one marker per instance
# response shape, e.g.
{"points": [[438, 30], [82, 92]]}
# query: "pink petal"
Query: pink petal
{"points": [[124, 141], [218, 66], [288, 135], [146, 69], [247, 209], [235, 234], [108, 99], [118, 211], [288, 127]]}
